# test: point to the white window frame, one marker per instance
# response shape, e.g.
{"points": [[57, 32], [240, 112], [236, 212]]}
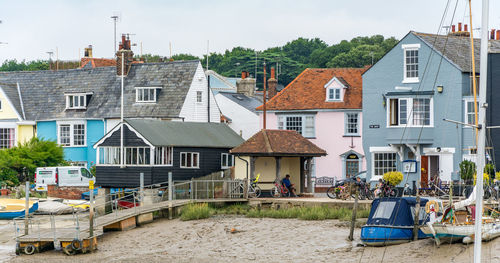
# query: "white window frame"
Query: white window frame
{"points": [[72, 125], [336, 91], [164, 150], [409, 112], [346, 124], [75, 98], [410, 47], [199, 96], [282, 123], [466, 111], [184, 155], [137, 152], [383, 152], [141, 90], [225, 157]]}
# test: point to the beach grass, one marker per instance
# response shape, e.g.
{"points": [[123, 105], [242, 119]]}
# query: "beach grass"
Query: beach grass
{"points": [[196, 211]]}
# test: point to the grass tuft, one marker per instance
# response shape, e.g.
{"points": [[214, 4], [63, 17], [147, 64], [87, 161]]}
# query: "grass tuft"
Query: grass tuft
{"points": [[196, 211]]}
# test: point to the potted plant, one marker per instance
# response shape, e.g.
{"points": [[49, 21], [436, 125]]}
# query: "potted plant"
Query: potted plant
{"points": [[393, 178]]}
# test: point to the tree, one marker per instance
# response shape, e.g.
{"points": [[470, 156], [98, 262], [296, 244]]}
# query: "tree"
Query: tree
{"points": [[27, 157], [13, 65]]}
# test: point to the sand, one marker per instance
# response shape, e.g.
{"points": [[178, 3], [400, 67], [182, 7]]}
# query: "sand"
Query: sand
{"points": [[255, 240]]}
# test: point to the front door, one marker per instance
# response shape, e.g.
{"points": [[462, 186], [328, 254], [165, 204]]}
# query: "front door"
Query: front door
{"points": [[424, 173], [352, 165]]}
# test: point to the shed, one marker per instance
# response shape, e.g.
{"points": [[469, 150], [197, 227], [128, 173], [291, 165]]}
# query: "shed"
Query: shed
{"points": [[275, 153]]}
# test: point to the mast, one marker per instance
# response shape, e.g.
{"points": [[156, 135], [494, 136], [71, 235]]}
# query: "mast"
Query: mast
{"points": [[483, 72]]}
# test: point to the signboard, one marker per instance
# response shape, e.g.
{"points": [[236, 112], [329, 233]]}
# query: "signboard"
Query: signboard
{"points": [[409, 166], [352, 156], [374, 126], [325, 181], [91, 184]]}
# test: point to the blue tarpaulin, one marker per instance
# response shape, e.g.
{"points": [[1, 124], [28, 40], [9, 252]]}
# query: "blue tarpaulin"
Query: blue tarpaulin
{"points": [[394, 211]]}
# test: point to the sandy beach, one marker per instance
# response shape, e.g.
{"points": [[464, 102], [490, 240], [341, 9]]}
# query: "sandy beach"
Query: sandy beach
{"points": [[255, 240]]}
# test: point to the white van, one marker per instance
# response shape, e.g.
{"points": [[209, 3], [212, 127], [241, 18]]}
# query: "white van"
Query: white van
{"points": [[62, 176]]}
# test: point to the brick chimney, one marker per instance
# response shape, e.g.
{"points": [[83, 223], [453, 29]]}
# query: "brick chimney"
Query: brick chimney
{"points": [[246, 85], [128, 57], [272, 83], [88, 52]]}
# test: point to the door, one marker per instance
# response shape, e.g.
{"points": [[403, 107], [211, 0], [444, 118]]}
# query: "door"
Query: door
{"points": [[351, 165], [424, 173], [433, 168]]}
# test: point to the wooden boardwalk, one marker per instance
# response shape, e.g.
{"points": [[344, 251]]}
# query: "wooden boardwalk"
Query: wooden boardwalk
{"points": [[70, 233]]}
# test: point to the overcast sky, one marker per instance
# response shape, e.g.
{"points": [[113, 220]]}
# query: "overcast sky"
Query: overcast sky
{"points": [[32, 28]]}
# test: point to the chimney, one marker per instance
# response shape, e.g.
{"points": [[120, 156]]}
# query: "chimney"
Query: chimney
{"points": [[127, 54], [465, 28], [88, 52], [272, 83], [459, 27], [498, 34], [246, 85], [453, 28]]}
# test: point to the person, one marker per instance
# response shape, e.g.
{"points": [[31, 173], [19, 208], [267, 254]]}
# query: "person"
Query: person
{"points": [[378, 190], [286, 182]]}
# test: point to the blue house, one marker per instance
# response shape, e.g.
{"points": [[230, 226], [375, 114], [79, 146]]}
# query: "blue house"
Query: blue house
{"points": [[424, 79], [77, 107]]}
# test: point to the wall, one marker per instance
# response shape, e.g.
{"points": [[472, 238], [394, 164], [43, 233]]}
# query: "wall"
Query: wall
{"points": [[385, 76], [25, 133], [66, 192], [197, 111], [329, 135], [7, 112], [493, 99], [243, 121]]}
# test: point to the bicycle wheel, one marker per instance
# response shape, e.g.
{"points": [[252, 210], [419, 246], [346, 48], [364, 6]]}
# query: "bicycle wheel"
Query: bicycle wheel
{"points": [[275, 192], [257, 191], [331, 192], [285, 192], [392, 193]]}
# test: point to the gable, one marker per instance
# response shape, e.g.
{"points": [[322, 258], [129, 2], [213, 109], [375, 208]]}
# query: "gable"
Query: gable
{"points": [[7, 109], [130, 138]]}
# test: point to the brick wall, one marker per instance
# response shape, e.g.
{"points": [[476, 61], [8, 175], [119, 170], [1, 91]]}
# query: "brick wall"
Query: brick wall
{"points": [[66, 192]]}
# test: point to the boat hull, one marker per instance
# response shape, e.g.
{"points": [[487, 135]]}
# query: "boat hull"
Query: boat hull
{"points": [[388, 235], [18, 213], [444, 233]]}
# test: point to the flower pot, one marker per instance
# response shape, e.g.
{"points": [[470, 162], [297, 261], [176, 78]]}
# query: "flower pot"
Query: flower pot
{"points": [[4, 191]]}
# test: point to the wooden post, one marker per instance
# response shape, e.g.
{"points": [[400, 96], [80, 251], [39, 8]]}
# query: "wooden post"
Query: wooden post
{"points": [[170, 194], [309, 175], [416, 219], [252, 176], [451, 193], [353, 218], [91, 215], [141, 189], [278, 167], [26, 206]]}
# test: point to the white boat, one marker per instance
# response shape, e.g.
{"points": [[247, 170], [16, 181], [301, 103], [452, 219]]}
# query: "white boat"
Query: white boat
{"points": [[448, 233]]}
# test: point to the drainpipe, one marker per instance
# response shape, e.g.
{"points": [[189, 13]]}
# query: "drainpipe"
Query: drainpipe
{"points": [[122, 152]]}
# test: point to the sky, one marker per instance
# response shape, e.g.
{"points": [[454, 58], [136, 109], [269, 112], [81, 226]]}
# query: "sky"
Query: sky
{"points": [[31, 28]]}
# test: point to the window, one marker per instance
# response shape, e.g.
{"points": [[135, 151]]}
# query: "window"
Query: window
{"points": [[470, 115], [383, 163], [72, 134], [333, 94], [85, 173], [303, 124], [109, 155], [190, 160], [77, 101], [351, 124], [410, 112], [411, 63], [145, 94], [199, 96], [227, 160], [163, 156], [384, 210], [78, 163], [137, 155], [7, 137]]}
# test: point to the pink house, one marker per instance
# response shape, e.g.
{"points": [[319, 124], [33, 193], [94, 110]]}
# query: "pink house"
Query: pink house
{"points": [[324, 105]]}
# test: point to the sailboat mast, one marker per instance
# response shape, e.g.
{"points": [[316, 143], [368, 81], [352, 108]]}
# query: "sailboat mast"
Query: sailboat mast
{"points": [[481, 151]]}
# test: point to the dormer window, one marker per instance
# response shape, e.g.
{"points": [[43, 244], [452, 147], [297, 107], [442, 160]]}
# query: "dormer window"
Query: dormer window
{"points": [[146, 94], [333, 94], [77, 100], [334, 89]]}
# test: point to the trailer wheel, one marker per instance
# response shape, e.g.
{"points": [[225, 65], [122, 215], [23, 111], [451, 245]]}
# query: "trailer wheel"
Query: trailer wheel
{"points": [[68, 250], [76, 244], [29, 249]]}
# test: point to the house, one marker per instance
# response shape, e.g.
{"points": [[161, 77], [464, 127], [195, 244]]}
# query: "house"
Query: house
{"points": [[424, 79], [220, 83], [77, 107], [14, 128], [324, 106], [493, 99], [272, 154], [156, 147]]}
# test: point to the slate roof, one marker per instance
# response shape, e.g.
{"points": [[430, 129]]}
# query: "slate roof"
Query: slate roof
{"points": [[249, 103], [307, 90], [278, 143], [186, 134], [43, 91], [12, 94], [457, 48]]}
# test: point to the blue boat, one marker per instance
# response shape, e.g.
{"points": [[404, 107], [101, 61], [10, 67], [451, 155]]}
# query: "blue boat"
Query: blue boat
{"points": [[12, 208], [391, 221]]}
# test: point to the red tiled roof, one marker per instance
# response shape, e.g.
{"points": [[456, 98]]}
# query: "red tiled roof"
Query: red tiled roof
{"points": [[307, 90], [278, 143], [98, 62]]}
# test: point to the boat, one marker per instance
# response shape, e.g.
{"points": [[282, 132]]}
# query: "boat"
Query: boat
{"points": [[391, 221], [12, 208]]}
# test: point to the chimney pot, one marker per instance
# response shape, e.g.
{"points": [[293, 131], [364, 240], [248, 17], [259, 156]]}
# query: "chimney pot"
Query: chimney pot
{"points": [[498, 34], [466, 28], [453, 28], [459, 27], [273, 73]]}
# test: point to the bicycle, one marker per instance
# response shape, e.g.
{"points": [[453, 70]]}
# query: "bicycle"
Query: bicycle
{"points": [[279, 190], [254, 190]]}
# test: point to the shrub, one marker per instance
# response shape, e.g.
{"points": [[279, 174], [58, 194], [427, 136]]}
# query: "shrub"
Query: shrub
{"points": [[486, 179], [196, 211], [393, 178], [467, 170], [497, 176]]}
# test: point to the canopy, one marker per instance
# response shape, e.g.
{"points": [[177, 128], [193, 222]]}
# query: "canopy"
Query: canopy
{"points": [[394, 211]]}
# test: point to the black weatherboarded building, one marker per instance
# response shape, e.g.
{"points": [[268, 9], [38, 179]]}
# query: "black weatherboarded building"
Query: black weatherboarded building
{"points": [[156, 147]]}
